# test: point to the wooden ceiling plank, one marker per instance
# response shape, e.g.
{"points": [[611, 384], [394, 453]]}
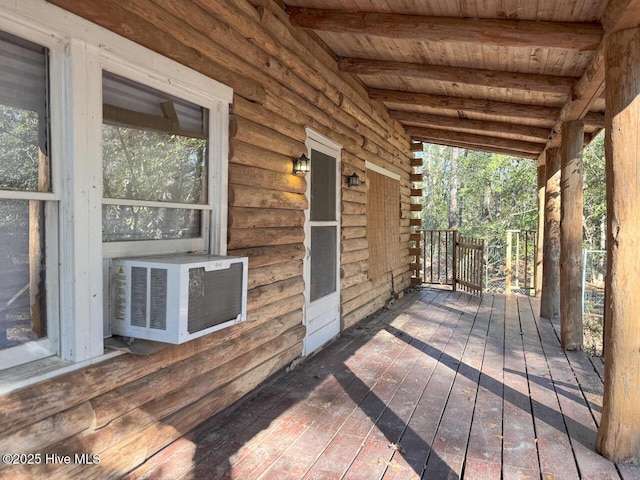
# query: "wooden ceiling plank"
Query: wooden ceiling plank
{"points": [[475, 139], [460, 104], [577, 108], [528, 132], [470, 76], [515, 33]]}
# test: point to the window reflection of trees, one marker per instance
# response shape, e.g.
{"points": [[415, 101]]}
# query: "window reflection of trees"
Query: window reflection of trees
{"points": [[24, 167], [152, 166]]}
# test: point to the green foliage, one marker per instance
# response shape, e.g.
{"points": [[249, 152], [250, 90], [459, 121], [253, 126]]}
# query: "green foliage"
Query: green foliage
{"points": [[594, 191], [146, 165], [152, 166], [495, 192], [19, 161], [18, 149]]}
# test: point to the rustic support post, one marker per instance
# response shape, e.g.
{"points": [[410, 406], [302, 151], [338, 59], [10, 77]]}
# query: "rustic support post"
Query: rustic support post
{"points": [[571, 235], [540, 233], [507, 285], [550, 295], [454, 260], [619, 433]]}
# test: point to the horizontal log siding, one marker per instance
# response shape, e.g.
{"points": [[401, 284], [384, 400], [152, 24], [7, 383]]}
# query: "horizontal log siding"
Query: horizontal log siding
{"points": [[130, 407]]}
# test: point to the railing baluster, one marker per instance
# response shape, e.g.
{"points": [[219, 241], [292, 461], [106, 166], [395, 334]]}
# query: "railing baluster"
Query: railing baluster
{"points": [[526, 259], [446, 261]]}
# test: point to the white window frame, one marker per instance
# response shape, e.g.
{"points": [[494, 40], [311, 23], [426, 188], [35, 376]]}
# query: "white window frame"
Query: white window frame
{"points": [[48, 345], [79, 50], [211, 241]]}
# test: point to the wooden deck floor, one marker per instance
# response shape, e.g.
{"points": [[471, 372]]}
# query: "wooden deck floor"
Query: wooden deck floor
{"points": [[442, 385]]}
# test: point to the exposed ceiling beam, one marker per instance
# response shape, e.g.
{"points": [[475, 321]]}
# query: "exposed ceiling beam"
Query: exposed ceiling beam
{"points": [[449, 143], [618, 15], [594, 119], [457, 104], [621, 14], [511, 33], [523, 132], [474, 139], [469, 76]]}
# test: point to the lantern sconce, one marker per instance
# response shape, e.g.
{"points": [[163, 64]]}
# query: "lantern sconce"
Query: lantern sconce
{"points": [[301, 165], [353, 180]]}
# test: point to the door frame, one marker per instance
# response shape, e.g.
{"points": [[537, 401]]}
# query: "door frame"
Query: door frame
{"points": [[317, 141]]}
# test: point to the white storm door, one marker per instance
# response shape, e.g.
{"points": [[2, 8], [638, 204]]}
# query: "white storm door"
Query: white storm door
{"points": [[322, 265]]}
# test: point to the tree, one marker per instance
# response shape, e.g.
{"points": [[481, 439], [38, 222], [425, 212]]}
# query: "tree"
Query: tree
{"points": [[453, 190], [595, 204], [481, 194], [152, 166]]}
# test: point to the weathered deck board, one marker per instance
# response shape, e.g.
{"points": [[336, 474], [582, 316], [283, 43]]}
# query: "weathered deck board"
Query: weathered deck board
{"points": [[520, 457], [442, 385], [484, 453], [453, 432], [553, 443], [575, 385]]}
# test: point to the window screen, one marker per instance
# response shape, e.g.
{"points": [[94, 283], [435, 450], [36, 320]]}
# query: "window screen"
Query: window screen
{"points": [[323, 261], [24, 167], [323, 187]]}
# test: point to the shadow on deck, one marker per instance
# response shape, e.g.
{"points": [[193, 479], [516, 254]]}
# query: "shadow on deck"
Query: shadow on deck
{"points": [[443, 385]]}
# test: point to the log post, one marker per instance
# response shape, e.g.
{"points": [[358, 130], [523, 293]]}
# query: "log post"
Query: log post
{"points": [[619, 433], [507, 281], [454, 260], [550, 295], [540, 233], [571, 235]]}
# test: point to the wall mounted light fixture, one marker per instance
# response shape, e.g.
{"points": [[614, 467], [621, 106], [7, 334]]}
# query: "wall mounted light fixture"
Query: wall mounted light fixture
{"points": [[353, 180], [301, 165]]}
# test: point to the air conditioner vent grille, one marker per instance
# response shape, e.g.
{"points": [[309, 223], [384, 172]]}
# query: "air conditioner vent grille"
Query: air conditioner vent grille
{"points": [[139, 296], [215, 297], [158, 299]]}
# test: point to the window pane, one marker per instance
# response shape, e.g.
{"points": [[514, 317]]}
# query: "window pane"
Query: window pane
{"points": [[24, 163], [22, 267], [323, 261], [125, 223], [154, 145], [144, 165], [323, 187]]}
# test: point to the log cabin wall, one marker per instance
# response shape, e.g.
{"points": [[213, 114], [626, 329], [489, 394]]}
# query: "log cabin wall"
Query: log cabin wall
{"points": [[128, 408]]}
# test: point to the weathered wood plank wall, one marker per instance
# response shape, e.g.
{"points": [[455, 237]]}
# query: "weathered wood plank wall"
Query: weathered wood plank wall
{"points": [[128, 408]]}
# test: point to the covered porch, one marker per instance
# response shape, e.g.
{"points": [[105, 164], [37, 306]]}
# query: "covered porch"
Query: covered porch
{"points": [[440, 385]]}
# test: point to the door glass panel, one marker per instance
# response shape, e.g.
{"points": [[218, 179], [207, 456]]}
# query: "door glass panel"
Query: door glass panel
{"points": [[323, 187], [323, 261]]}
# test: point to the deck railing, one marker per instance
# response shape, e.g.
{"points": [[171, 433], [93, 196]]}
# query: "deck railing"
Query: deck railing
{"points": [[469, 265], [452, 259], [437, 267], [521, 266]]}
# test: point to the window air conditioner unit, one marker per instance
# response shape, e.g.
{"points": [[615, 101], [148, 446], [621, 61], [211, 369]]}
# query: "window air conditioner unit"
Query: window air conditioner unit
{"points": [[174, 299]]}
